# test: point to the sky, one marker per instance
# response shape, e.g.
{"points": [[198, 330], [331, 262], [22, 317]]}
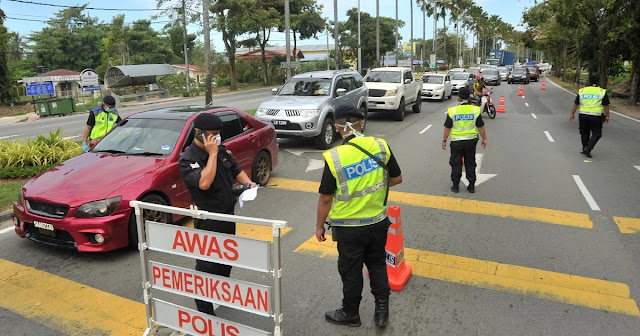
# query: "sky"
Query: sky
{"points": [[18, 15]]}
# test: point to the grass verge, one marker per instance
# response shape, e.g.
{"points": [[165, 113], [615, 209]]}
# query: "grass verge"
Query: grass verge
{"points": [[251, 111], [8, 194]]}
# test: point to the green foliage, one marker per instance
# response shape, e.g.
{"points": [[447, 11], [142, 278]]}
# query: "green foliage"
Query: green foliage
{"points": [[8, 194], [44, 151], [7, 173], [7, 93], [223, 81]]}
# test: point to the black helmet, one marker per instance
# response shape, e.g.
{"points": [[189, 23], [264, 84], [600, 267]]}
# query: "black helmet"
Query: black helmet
{"points": [[464, 93]]}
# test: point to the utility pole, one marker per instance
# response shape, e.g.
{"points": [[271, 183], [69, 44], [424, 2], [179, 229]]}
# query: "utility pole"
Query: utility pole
{"points": [[207, 49], [326, 28], [335, 33], [186, 50], [287, 32], [377, 33], [359, 47], [396, 46], [435, 34], [411, 56], [424, 33]]}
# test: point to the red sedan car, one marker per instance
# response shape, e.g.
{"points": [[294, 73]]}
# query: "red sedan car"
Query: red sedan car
{"points": [[83, 203]]}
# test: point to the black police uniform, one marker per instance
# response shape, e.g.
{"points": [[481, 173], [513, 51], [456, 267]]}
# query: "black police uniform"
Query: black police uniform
{"points": [[218, 198], [466, 149], [358, 245], [590, 125]]}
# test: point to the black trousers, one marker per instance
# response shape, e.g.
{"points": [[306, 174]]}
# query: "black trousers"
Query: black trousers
{"points": [[211, 267], [460, 149], [358, 245], [590, 130]]}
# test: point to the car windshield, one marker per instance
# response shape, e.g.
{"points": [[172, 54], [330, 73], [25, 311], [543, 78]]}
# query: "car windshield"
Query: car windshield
{"points": [[490, 72], [384, 76], [474, 70], [152, 137], [433, 79], [502, 70], [519, 71], [532, 69], [460, 77], [306, 87]]}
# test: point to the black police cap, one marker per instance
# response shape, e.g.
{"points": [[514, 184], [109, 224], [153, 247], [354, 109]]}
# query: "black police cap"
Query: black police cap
{"points": [[345, 111], [207, 121], [464, 93], [109, 100]]}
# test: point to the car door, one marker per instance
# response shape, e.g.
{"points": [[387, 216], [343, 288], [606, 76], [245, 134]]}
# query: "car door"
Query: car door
{"points": [[410, 90], [352, 94], [447, 85], [239, 138], [341, 83]]}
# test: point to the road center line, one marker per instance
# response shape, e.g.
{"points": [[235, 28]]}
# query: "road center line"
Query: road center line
{"points": [[522, 97], [526, 104], [425, 129], [587, 195], [521, 212], [637, 167], [9, 136], [549, 136], [566, 288], [70, 137], [534, 116]]}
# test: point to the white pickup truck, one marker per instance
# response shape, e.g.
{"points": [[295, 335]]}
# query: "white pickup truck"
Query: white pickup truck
{"points": [[393, 89]]}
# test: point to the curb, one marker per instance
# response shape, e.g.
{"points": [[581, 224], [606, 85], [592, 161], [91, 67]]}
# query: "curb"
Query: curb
{"points": [[6, 215]]}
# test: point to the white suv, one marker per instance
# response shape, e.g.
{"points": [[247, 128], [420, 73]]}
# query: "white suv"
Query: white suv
{"points": [[393, 89]]}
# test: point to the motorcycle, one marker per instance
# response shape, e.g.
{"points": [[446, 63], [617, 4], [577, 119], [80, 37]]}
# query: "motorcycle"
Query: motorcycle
{"points": [[488, 108]]}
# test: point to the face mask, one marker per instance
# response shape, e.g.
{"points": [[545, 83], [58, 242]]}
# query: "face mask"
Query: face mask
{"points": [[109, 109], [349, 126], [219, 139]]}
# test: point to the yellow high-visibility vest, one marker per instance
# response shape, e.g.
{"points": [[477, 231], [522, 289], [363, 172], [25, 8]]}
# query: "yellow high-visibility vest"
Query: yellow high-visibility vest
{"points": [[464, 122], [104, 123], [591, 100]]}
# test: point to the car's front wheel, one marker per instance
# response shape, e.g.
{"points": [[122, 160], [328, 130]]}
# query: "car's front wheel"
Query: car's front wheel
{"points": [[147, 215], [261, 169], [417, 107], [364, 111], [325, 139], [399, 113]]}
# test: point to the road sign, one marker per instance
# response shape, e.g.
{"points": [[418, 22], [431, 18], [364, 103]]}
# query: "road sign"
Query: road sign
{"points": [[210, 246], [294, 64], [89, 78], [36, 89], [90, 88], [432, 60]]}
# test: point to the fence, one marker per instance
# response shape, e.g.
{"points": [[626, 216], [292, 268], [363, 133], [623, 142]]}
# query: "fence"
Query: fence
{"points": [[252, 254]]}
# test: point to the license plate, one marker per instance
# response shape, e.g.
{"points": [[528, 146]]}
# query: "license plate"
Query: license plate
{"points": [[280, 122], [372, 104], [42, 225]]}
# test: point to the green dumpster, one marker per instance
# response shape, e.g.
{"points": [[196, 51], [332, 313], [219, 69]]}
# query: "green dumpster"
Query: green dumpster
{"points": [[57, 106]]}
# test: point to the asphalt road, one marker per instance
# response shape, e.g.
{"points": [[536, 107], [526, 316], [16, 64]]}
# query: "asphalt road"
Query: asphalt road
{"points": [[527, 254], [73, 125]]}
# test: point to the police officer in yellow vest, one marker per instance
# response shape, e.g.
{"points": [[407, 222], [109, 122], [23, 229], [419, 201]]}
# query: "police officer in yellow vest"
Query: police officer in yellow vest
{"points": [[464, 122], [594, 111], [101, 120], [353, 195]]}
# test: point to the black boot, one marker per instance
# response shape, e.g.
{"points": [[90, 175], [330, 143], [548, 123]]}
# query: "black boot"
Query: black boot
{"points": [[339, 316], [381, 313], [471, 188], [455, 188]]}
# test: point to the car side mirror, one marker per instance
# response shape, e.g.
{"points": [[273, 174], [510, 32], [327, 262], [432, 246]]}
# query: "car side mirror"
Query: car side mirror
{"points": [[341, 92], [407, 81], [274, 91]]}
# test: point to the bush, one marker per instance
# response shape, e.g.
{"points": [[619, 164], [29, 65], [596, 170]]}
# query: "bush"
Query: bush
{"points": [[223, 81], [185, 93], [44, 151], [7, 173]]}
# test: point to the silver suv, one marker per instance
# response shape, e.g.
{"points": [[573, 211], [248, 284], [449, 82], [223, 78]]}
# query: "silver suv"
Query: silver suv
{"points": [[305, 105]]}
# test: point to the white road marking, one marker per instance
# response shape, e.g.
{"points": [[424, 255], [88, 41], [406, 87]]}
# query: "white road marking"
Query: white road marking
{"points": [[425, 129], [586, 194], [549, 136], [522, 97], [5, 230], [534, 116], [480, 178], [526, 104], [9, 136], [575, 93], [60, 124], [314, 165], [637, 167], [299, 152], [70, 137]]}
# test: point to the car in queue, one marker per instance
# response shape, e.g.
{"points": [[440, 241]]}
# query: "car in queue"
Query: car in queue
{"points": [[519, 75], [534, 73], [436, 86], [83, 203], [504, 73], [491, 77], [304, 107], [393, 90], [462, 79], [474, 70]]}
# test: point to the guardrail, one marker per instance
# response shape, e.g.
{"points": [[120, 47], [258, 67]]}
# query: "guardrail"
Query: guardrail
{"points": [[248, 253]]}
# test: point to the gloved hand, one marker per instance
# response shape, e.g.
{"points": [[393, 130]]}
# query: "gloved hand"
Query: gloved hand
{"points": [[85, 147]]}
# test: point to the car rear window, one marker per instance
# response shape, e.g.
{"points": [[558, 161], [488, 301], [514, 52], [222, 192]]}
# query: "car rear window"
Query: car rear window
{"points": [[490, 72], [431, 79], [519, 71], [460, 77], [143, 136]]}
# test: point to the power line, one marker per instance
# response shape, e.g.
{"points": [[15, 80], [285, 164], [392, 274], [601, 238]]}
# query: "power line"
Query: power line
{"points": [[91, 8], [97, 24]]}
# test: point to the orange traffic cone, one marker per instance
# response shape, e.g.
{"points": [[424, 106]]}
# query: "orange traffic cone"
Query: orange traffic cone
{"points": [[397, 270], [521, 92], [543, 86], [501, 105]]}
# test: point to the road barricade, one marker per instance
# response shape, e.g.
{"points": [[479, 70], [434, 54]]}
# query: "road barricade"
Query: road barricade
{"points": [[247, 253]]}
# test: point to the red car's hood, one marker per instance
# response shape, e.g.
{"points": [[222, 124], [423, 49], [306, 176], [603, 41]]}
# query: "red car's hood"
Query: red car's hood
{"points": [[89, 177]]}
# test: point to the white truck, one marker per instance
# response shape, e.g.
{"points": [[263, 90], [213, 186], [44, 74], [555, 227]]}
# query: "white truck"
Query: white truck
{"points": [[393, 90]]}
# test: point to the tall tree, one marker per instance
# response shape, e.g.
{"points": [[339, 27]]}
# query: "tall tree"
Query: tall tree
{"points": [[7, 93], [267, 14], [306, 21]]}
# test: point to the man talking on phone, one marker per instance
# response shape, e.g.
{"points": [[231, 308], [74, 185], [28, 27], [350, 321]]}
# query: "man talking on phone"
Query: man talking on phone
{"points": [[208, 171]]}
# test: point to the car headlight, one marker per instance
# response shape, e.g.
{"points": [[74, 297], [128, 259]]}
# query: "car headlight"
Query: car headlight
{"points": [[261, 112], [439, 87], [21, 197], [391, 92], [99, 208], [309, 113]]}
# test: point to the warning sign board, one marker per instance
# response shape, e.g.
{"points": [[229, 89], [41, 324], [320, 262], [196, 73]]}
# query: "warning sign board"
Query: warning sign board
{"points": [[210, 246]]}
